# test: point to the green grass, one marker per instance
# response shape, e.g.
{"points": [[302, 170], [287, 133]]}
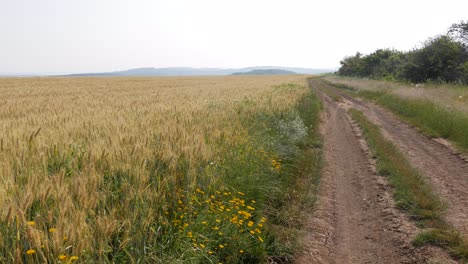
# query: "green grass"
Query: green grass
{"points": [[432, 119], [411, 193], [447, 238]]}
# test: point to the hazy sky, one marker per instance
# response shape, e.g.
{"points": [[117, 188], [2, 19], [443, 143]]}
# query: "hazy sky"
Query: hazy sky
{"points": [[64, 36]]}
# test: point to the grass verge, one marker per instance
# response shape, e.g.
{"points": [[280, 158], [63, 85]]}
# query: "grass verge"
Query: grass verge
{"points": [[411, 193], [286, 206], [432, 119]]}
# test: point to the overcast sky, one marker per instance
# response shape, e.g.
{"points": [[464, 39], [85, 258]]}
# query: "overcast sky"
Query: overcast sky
{"points": [[69, 36]]}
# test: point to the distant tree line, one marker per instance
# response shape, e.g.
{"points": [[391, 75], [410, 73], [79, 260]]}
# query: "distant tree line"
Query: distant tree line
{"points": [[441, 59]]}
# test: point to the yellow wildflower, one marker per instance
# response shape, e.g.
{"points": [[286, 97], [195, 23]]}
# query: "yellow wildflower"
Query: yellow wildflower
{"points": [[62, 257], [73, 258], [31, 223], [31, 251], [221, 246]]}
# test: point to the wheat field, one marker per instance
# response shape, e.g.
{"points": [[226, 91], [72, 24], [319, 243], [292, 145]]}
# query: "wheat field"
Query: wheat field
{"points": [[134, 169]]}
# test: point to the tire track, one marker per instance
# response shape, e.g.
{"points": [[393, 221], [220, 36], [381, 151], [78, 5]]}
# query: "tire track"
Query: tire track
{"points": [[356, 220]]}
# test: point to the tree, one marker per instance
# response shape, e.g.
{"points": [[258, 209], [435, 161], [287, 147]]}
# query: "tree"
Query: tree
{"points": [[439, 60], [443, 58], [383, 63], [460, 32], [350, 66]]}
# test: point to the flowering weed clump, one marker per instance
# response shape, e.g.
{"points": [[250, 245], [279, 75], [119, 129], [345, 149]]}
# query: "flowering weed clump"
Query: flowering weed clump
{"points": [[225, 227]]}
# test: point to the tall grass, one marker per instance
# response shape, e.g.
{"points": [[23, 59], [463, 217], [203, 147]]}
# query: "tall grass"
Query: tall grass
{"points": [[147, 170], [434, 119], [452, 96]]}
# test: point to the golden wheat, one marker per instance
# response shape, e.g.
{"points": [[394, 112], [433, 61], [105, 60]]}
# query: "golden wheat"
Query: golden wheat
{"points": [[60, 139]]}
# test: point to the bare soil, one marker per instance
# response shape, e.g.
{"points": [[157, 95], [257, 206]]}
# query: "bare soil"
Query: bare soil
{"points": [[355, 220]]}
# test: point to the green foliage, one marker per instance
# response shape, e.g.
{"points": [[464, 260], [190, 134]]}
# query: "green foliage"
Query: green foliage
{"points": [[351, 66], [441, 59], [382, 63]]}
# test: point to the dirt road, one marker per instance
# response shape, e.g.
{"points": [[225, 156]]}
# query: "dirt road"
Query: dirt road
{"points": [[445, 170], [356, 220]]}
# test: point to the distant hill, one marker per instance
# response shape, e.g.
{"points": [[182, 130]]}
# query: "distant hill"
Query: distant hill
{"points": [[265, 72], [181, 71]]}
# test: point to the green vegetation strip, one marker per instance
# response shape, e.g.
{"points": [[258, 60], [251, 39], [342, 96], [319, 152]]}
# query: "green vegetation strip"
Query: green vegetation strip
{"points": [[297, 187], [411, 193], [433, 120]]}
